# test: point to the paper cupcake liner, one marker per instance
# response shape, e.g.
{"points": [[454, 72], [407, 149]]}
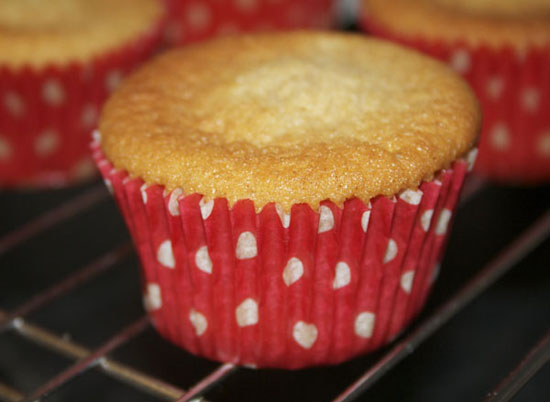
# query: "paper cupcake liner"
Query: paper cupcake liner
{"points": [[275, 290], [48, 114], [196, 20], [514, 90]]}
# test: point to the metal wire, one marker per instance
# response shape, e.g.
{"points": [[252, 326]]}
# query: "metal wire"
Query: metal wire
{"points": [[217, 375], [533, 362], [524, 244]]}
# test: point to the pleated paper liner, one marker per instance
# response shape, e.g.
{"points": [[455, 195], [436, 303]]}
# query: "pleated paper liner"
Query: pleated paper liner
{"points": [[48, 114], [197, 20], [514, 91], [275, 290]]}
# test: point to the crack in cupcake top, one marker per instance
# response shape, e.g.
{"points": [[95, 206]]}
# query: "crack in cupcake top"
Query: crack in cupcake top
{"points": [[493, 23], [290, 118], [38, 32]]}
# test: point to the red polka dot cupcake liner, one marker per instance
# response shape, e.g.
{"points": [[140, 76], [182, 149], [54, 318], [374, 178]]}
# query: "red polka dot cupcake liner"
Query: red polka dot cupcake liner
{"points": [[48, 114], [270, 289], [514, 90], [194, 20]]}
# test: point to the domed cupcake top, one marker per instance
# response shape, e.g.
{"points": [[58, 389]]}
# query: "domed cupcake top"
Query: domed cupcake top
{"points": [[290, 118], [495, 23], [38, 32]]}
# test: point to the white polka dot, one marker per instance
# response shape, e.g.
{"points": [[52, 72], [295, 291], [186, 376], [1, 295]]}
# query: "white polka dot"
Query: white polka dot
{"points": [[495, 86], [543, 144], [326, 219], [471, 159], [247, 313], [89, 116], [14, 103], [342, 275], [143, 191], [5, 149], [412, 197], [293, 271], [246, 5], [46, 143], [391, 251], [173, 202], [364, 324], [365, 218], [461, 61], [84, 168], [109, 185], [52, 93], [426, 219], [198, 321], [246, 246], [165, 254], [96, 137], [203, 261], [443, 221], [152, 299], [304, 334], [206, 207], [530, 99], [283, 216], [407, 281], [500, 137], [112, 80], [198, 16]]}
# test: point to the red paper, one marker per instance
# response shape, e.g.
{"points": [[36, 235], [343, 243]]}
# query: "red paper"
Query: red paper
{"points": [[289, 291], [514, 91], [47, 115], [196, 20]]}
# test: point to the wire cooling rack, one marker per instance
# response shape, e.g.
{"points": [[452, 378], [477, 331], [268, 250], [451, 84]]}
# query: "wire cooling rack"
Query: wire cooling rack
{"points": [[71, 325]]}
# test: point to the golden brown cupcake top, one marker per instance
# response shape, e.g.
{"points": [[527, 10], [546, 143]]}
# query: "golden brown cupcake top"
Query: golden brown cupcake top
{"points": [[290, 118], [495, 23], [42, 32]]}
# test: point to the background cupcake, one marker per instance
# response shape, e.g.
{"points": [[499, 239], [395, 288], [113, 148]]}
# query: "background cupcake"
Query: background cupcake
{"points": [[289, 209], [503, 49], [59, 61], [200, 19]]}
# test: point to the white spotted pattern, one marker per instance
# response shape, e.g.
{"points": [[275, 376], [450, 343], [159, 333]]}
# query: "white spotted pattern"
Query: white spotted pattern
{"points": [[495, 86], [365, 218], [326, 219], [412, 197], [293, 271], [112, 80], [407, 281], [152, 299], [364, 324], [46, 143], [543, 144], [5, 149], [247, 313], [198, 16], [530, 99], [246, 246], [14, 104], [443, 222], [304, 334], [461, 61], [173, 201], [89, 116], [53, 93], [206, 207], [500, 137], [391, 251], [283, 216], [165, 254], [426, 219], [342, 276], [202, 260], [199, 322], [246, 5]]}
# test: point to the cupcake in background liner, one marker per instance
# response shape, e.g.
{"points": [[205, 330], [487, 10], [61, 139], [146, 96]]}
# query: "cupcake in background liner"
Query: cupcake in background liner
{"points": [[290, 209], [195, 20], [503, 49], [60, 60]]}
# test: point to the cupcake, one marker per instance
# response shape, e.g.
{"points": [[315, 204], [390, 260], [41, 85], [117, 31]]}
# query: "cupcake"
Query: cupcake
{"points": [[201, 19], [59, 61], [290, 208], [503, 49]]}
